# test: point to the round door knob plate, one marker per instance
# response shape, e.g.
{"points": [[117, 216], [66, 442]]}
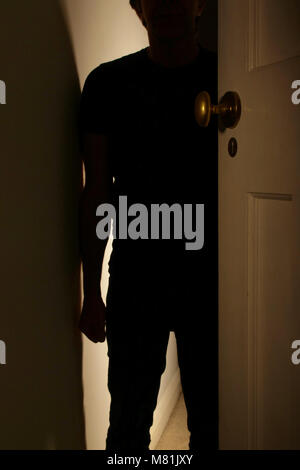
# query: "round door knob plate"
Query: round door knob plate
{"points": [[229, 109]]}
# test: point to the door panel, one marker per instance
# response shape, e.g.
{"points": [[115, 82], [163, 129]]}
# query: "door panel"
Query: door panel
{"points": [[273, 31], [259, 227]]}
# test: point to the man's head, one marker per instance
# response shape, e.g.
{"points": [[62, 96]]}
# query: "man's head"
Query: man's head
{"points": [[169, 18]]}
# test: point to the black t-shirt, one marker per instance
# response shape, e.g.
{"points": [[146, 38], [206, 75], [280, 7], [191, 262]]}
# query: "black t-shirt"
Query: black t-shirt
{"points": [[157, 154]]}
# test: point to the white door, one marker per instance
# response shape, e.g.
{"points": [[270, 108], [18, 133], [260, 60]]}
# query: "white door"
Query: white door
{"points": [[259, 226]]}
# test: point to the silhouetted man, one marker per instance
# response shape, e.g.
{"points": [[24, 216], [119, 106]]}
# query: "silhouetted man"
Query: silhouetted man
{"points": [[140, 140]]}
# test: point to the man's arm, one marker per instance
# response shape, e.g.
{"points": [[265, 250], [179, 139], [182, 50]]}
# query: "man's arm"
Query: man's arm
{"points": [[96, 191]]}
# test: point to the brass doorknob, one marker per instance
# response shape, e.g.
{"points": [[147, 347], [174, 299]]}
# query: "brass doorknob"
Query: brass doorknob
{"points": [[229, 109]]}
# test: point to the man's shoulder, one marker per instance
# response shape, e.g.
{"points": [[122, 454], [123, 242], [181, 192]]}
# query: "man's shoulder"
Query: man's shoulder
{"points": [[117, 66], [208, 54]]}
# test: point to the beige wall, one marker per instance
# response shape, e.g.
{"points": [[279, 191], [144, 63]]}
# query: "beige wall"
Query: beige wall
{"points": [[41, 383], [44, 64], [100, 31]]}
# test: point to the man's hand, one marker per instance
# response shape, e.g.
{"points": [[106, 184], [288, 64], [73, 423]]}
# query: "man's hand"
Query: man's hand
{"points": [[92, 320]]}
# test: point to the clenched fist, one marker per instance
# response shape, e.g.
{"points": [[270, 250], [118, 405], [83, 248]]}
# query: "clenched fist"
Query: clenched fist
{"points": [[92, 319]]}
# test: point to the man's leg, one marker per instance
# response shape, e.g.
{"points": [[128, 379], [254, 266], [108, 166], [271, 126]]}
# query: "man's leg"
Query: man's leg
{"points": [[197, 348], [137, 359]]}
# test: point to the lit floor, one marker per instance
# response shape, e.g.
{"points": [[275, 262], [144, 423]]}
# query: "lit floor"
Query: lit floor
{"points": [[176, 435]]}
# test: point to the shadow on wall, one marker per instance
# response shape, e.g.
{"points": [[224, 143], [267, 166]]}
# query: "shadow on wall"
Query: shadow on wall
{"points": [[41, 391]]}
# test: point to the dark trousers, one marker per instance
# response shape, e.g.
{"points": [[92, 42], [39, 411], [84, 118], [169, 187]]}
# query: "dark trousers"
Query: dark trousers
{"points": [[137, 343]]}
